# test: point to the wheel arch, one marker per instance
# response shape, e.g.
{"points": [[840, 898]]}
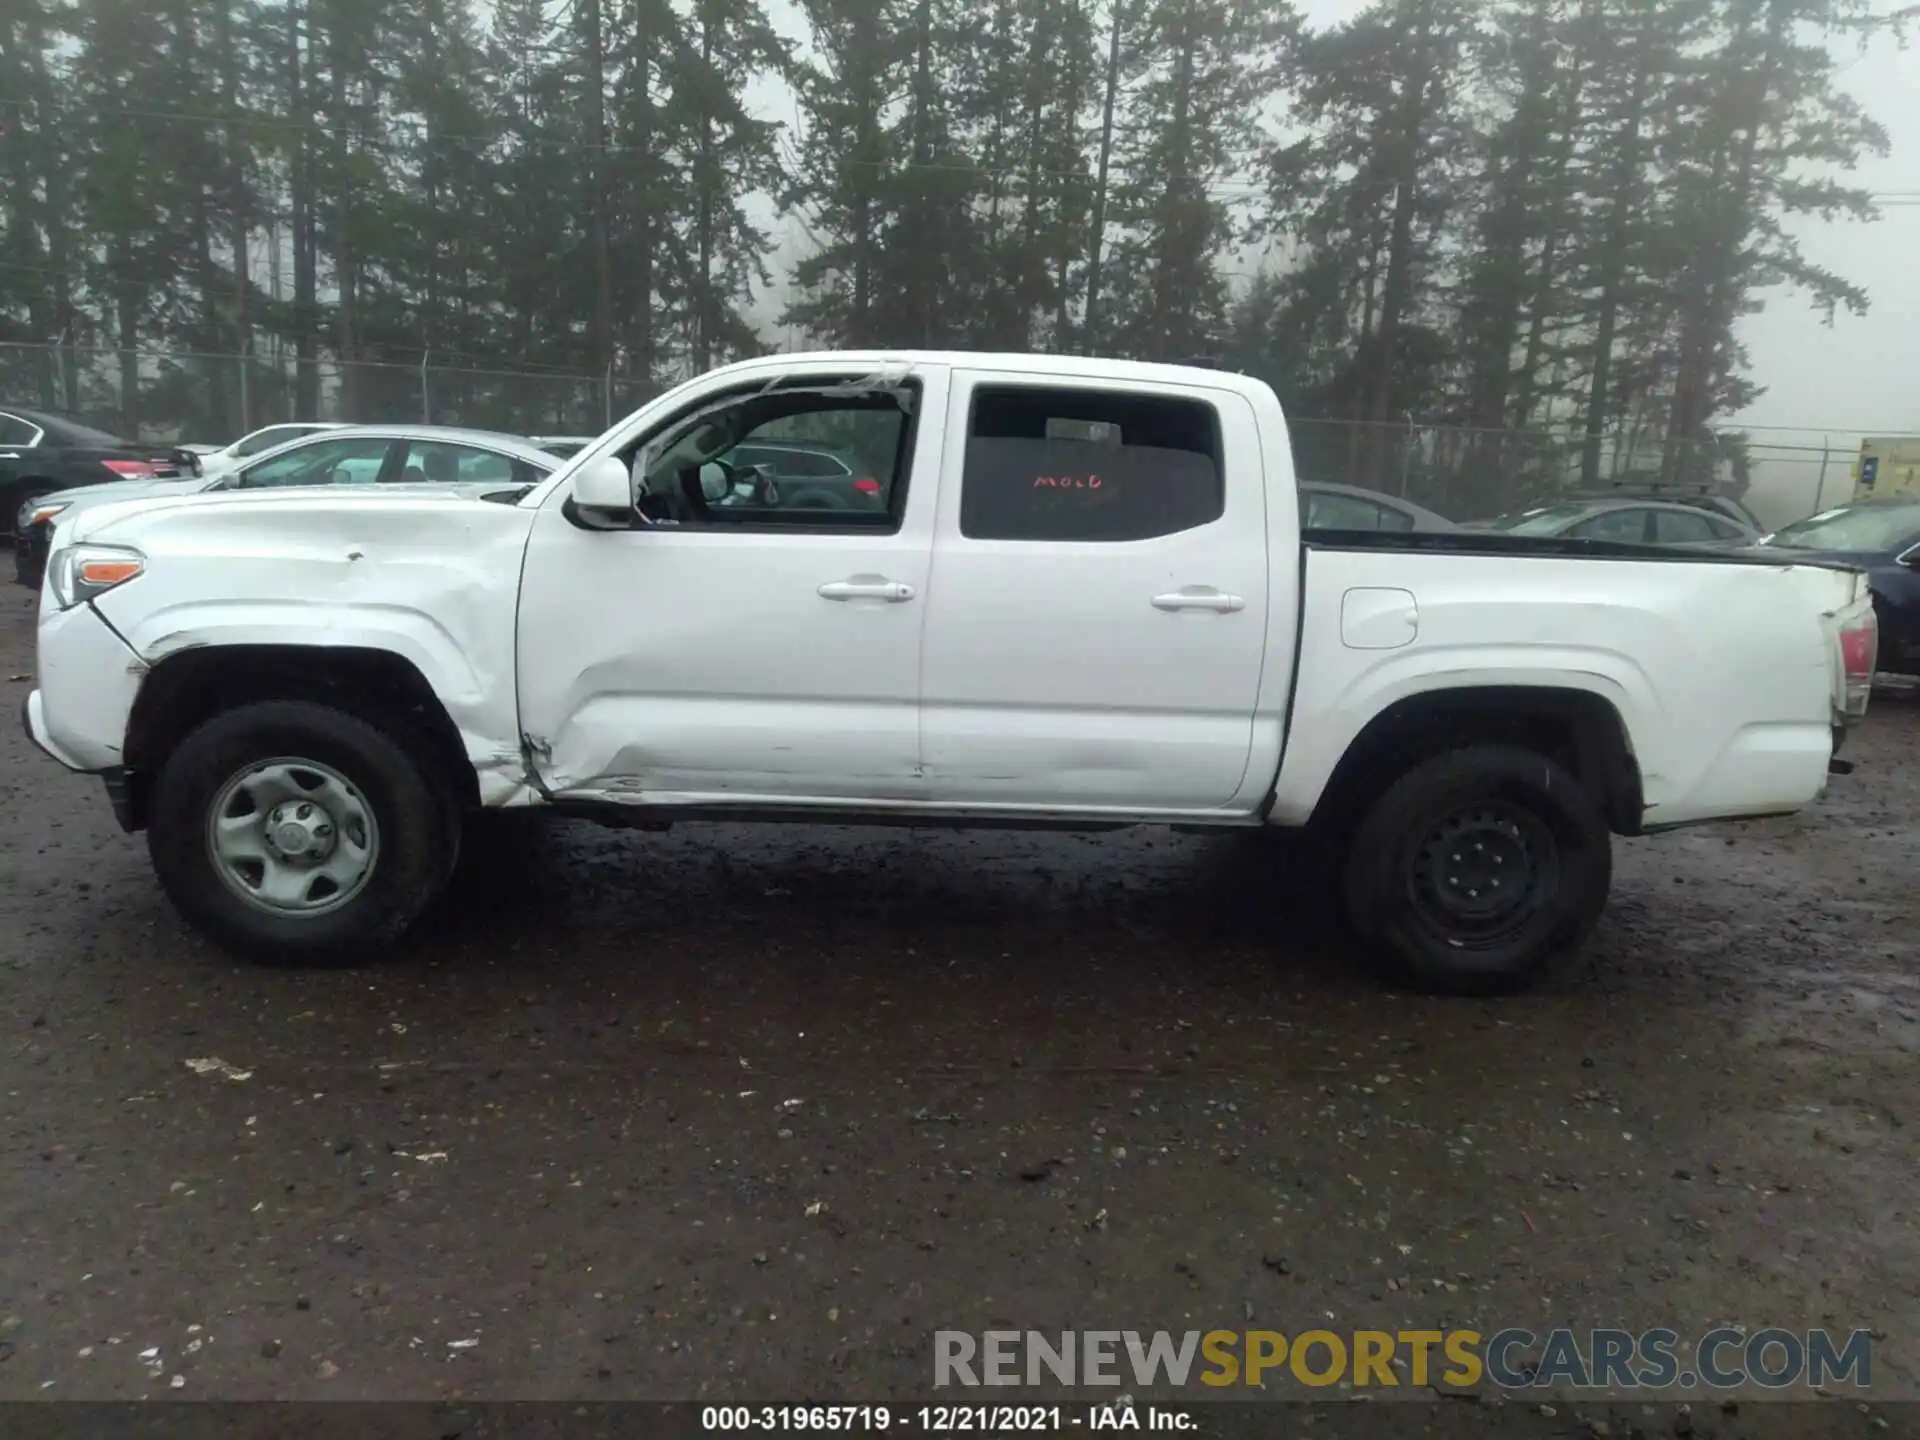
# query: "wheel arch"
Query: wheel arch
{"points": [[190, 686], [1580, 729]]}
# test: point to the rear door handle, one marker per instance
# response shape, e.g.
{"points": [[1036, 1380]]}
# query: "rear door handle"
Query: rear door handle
{"points": [[1199, 597], [10, 455], [867, 587]]}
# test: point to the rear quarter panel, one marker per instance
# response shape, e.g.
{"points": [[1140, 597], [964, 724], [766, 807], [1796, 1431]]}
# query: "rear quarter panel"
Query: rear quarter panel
{"points": [[434, 580], [1722, 674]]}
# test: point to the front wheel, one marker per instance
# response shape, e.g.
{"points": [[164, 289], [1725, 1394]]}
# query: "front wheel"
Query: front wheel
{"points": [[1476, 867], [293, 831]]}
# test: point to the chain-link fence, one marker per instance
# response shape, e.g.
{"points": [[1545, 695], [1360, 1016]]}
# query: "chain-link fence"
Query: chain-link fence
{"points": [[1460, 472], [211, 399]]}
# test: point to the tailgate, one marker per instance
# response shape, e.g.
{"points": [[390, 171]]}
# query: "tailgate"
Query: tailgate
{"points": [[1845, 601]]}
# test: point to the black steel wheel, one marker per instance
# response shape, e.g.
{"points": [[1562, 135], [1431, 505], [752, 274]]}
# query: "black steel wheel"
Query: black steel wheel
{"points": [[1476, 867]]}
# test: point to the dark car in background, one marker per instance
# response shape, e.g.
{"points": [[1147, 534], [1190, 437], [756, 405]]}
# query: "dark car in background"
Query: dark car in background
{"points": [[1882, 537], [1348, 507], [1630, 521], [810, 476], [42, 451]]}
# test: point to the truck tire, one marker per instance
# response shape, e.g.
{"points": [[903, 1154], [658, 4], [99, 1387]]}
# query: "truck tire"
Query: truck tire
{"points": [[295, 832], [1475, 868]]}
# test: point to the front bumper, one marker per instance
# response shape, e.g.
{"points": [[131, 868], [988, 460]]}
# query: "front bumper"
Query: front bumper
{"points": [[125, 793], [88, 680], [33, 719]]}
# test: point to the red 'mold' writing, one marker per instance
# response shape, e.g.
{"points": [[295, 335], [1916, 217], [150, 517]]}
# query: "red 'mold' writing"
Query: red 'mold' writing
{"points": [[1066, 482]]}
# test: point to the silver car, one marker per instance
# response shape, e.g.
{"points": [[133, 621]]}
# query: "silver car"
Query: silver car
{"points": [[356, 455]]}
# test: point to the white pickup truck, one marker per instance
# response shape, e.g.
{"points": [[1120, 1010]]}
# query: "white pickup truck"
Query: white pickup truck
{"points": [[1063, 592]]}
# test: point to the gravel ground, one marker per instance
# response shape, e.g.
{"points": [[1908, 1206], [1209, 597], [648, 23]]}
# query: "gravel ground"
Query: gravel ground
{"points": [[741, 1113]]}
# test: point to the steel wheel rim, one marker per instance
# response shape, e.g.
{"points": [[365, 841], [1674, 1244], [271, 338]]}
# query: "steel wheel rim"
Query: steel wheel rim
{"points": [[1481, 872], [292, 837]]}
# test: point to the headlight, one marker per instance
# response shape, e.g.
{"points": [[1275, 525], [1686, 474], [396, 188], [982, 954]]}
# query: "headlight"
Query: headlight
{"points": [[81, 572], [35, 511]]}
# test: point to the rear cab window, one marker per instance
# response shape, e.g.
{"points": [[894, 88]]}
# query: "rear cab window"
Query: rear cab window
{"points": [[1066, 464]]}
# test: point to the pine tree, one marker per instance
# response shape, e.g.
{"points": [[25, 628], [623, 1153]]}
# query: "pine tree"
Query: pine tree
{"points": [[1197, 69], [838, 184], [40, 150], [725, 153], [1367, 193], [1638, 59], [547, 297], [1760, 108]]}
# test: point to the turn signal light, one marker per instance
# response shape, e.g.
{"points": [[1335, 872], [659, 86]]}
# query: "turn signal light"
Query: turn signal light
{"points": [[102, 573]]}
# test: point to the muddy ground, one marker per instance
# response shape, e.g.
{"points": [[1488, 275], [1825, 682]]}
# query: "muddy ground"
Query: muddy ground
{"points": [[739, 1113]]}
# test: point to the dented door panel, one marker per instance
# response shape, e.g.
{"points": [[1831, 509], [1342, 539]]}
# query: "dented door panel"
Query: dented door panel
{"points": [[669, 665]]}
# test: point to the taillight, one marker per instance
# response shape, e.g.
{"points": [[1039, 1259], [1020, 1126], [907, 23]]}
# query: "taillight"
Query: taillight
{"points": [[1859, 651], [130, 469], [867, 486]]}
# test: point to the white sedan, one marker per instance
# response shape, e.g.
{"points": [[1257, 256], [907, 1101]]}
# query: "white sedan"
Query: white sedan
{"points": [[257, 442]]}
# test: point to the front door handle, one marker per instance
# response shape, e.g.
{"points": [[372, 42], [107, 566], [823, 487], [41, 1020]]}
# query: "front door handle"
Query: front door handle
{"points": [[867, 587], [10, 455], [1199, 597]]}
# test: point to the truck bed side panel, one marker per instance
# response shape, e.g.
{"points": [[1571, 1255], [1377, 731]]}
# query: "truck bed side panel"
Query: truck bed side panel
{"points": [[1722, 674]]}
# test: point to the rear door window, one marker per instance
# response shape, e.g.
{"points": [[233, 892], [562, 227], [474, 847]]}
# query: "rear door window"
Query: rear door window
{"points": [[1088, 465], [1681, 527], [436, 462]]}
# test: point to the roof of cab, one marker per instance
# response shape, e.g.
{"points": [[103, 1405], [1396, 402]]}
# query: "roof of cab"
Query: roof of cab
{"points": [[1077, 366]]}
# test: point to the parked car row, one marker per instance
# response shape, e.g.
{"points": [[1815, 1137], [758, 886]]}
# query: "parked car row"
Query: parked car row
{"points": [[1630, 522], [329, 455]]}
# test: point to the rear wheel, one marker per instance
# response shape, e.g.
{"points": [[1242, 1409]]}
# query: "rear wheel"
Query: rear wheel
{"points": [[1476, 867], [294, 831]]}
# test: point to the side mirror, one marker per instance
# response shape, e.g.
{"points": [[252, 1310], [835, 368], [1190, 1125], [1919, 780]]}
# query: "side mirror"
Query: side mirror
{"points": [[604, 485]]}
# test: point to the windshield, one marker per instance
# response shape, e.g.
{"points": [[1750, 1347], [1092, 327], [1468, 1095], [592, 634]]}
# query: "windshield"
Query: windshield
{"points": [[1545, 521], [1853, 527]]}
